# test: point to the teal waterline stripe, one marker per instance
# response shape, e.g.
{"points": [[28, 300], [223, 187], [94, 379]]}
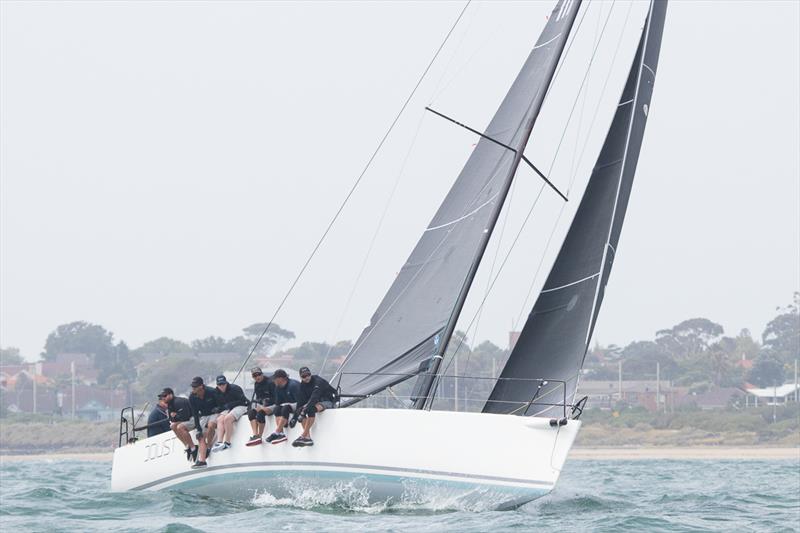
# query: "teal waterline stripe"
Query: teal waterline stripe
{"points": [[346, 476], [408, 471]]}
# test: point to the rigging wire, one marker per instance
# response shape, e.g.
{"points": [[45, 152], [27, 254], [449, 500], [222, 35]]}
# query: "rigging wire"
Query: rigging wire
{"points": [[592, 122], [352, 189], [530, 211], [373, 240]]}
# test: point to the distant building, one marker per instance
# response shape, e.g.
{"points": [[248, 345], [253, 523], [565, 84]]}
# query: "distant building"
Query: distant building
{"points": [[780, 395], [606, 394]]}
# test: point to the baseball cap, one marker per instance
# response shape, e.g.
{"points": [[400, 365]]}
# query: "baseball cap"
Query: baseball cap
{"points": [[197, 381], [167, 391], [256, 371], [221, 380]]}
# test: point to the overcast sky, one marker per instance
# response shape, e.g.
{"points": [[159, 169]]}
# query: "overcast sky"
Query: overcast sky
{"points": [[166, 168]]}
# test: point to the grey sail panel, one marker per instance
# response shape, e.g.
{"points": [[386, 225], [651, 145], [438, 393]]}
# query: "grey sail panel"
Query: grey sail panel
{"points": [[406, 329], [556, 335]]}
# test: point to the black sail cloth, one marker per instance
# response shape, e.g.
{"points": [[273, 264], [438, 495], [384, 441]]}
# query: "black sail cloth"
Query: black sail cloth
{"points": [[554, 340], [408, 327]]}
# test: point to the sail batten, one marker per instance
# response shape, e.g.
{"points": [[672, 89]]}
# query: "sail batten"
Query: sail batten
{"points": [[413, 323], [556, 335]]}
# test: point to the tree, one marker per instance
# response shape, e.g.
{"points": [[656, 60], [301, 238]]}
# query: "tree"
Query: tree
{"points": [[690, 337], [640, 358], [767, 371], [275, 334], [10, 356], [210, 344], [781, 337], [163, 346], [79, 337]]}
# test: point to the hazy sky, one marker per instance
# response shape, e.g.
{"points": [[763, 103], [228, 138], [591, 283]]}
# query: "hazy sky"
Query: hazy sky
{"points": [[167, 167]]}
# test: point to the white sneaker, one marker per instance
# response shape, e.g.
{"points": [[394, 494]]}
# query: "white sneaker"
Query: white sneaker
{"points": [[218, 446]]}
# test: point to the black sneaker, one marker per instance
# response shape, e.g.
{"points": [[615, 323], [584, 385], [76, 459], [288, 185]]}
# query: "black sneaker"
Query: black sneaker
{"points": [[255, 440], [298, 442], [200, 464], [276, 438], [308, 442]]}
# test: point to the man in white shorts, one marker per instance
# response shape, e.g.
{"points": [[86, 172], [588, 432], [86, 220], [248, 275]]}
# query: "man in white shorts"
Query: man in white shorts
{"points": [[206, 404], [234, 404]]}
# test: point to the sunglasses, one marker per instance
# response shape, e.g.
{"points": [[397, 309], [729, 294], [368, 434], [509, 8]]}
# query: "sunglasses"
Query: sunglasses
{"points": [[257, 374]]}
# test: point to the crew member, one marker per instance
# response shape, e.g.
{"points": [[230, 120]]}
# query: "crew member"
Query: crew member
{"points": [[234, 404], [287, 391], [316, 395], [205, 408], [158, 419], [181, 420], [262, 405]]}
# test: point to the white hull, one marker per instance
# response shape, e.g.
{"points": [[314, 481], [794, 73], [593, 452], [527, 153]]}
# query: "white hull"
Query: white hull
{"points": [[389, 456]]}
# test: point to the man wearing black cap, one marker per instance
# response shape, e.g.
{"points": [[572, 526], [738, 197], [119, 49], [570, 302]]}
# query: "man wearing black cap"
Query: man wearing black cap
{"points": [[181, 420], [262, 404], [205, 407], [287, 391], [234, 405], [316, 395], [158, 419]]}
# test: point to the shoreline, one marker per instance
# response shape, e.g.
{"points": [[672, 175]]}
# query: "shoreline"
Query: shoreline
{"points": [[577, 453]]}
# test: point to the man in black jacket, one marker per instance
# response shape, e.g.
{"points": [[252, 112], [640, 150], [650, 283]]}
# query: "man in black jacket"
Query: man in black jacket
{"points": [[206, 405], [158, 419], [181, 420], [262, 405], [234, 404], [316, 395], [287, 391]]}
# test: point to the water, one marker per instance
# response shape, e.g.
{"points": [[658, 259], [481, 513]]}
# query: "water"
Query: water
{"points": [[642, 495]]}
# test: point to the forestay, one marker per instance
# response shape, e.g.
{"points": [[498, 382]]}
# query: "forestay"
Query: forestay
{"points": [[411, 323], [555, 338]]}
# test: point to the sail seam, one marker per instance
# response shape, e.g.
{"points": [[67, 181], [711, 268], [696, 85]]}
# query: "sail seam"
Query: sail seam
{"points": [[625, 103], [548, 42], [459, 219], [573, 283]]}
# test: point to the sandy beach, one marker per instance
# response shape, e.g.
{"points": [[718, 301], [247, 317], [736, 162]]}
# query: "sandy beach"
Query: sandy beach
{"points": [[581, 454]]}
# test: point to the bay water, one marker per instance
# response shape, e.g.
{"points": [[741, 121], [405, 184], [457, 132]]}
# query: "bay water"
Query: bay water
{"points": [[610, 495]]}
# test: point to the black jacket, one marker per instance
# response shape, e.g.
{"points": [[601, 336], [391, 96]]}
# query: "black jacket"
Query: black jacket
{"points": [[157, 422], [288, 394], [264, 392], [182, 409], [209, 404], [232, 397], [316, 390]]}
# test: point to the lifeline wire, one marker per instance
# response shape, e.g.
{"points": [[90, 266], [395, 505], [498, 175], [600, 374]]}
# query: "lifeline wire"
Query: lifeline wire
{"points": [[352, 190]]}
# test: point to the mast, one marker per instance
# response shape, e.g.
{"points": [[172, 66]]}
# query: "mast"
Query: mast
{"points": [[425, 383], [412, 325]]}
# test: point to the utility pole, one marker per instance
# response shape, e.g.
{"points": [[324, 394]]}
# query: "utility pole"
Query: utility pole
{"points": [[455, 380], [658, 385], [72, 372], [34, 388]]}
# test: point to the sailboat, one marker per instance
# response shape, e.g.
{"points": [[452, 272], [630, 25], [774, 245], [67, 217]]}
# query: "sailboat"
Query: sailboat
{"points": [[514, 448]]}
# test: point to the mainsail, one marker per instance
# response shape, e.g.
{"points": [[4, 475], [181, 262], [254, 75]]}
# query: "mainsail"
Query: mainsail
{"points": [[555, 338], [414, 320]]}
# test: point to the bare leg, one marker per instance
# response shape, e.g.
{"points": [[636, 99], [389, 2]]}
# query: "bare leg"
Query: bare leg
{"points": [[221, 424], [183, 434], [254, 426], [307, 423], [280, 423], [227, 427]]}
